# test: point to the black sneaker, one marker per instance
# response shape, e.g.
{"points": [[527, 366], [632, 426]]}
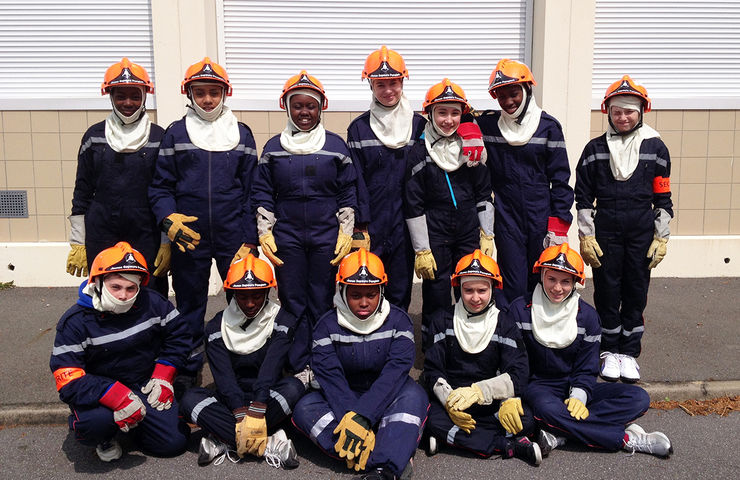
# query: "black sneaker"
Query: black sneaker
{"points": [[524, 449], [379, 473]]}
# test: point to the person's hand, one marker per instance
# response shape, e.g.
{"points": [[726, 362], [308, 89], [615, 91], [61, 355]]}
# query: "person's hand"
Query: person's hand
{"points": [[462, 419], [182, 236], [657, 250], [463, 397], [77, 260], [128, 409], [162, 261], [576, 408], [473, 148], [267, 242], [344, 245], [159, 387], [591, 251], [425, 265], [510, 415]]}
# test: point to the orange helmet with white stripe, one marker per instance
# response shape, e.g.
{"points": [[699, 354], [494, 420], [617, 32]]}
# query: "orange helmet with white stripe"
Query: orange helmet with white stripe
{"points": [[126, 74], [563, 258], [477, 264], [384, 63]]}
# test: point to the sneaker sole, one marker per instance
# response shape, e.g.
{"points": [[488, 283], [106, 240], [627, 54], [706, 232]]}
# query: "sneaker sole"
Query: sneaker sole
{"points": [[609, 379], [629, 380]]}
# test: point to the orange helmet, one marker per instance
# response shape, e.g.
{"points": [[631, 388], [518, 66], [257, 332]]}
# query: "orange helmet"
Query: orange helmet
{"points": [[563, 258], [445, 91], [509, 72], [206, 71], [303, 80], [384, 63], [120, 258], [249, 273], [626, 86], [125, 73], [477, 264], [362, 268]]}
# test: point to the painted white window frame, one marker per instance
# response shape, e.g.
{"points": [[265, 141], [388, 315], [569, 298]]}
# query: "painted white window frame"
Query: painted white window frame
{"points": [[461, 34]]}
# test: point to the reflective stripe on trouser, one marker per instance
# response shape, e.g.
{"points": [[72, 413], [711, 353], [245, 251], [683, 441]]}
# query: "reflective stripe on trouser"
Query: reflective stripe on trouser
{"points": [[621, 288], [397, 433], [611, 407], [161, 433], [487, 438], [204, 408], [190, 274]]}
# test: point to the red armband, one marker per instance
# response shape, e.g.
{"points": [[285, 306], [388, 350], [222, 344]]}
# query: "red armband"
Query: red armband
{"points": [[661, 185], [65, 375]]}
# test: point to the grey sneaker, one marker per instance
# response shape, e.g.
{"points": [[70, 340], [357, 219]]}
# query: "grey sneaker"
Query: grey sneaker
{"points": [[549, 442], [432, 446], [212, 450], [280, 452], [654, 443], [305, 376], [109, 451]]}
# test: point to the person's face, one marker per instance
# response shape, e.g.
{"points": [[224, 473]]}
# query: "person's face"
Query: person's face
{"points": [[624, 119], [476, 294], [127, 99], [510, 97], [207, 97], [557, 284], [304, 111], [250, 301], [363, 300], [387, 90], [447, 117], [119, 287]]}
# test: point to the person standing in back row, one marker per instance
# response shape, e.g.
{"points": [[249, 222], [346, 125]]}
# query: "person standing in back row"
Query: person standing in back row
{"points": [[623, 198], [202, 179], [115, 165], [380, 141], [529, 176]]}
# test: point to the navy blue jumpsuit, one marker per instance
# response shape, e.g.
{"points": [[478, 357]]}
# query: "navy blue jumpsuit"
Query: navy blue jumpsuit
{"points": [[451, 202], [369, 375], [530, 185], [121, 348], [554, 372], [213, 186], [381, 184], [624, 225], [111, 191], [305, 192], [241, 379], [447, 360]]}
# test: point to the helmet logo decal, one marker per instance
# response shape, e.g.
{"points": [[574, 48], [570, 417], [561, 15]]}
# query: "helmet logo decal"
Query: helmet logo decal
{"points": [[249, 276], [126, 75], [384, 67], [207, 68], [475, 264], [130, 258], [363, 273]]}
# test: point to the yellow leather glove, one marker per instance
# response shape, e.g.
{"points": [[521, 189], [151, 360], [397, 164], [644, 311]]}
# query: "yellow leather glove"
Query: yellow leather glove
{"points": [[576, 408], [243, 251], [463, 397], [344, 245], [510, 415], [360, 239], [591, 251], [463, 420], [355, 436], [424, 265], [182, 236], [251, 432], [657, 250], [267, 242], [486, 243], [162, 261], [77, 260]]}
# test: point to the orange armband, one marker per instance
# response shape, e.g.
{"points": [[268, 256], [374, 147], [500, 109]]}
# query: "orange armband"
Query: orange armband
{"points": [[65, 375], [661, 184]]}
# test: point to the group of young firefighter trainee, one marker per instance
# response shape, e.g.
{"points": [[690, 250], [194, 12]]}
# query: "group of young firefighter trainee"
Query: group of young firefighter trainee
{"points": [[512, 352]]}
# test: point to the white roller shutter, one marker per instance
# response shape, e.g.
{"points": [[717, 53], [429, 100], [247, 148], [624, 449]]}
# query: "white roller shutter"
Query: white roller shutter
{"points": [[53, 54], [265, 43], [686, 53]]}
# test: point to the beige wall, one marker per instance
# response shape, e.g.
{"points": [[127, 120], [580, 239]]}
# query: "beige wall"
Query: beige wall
{"points": [[705, 167], [38, 153]]}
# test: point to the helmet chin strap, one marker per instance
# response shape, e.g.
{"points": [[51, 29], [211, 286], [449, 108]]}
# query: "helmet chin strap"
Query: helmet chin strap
{"points": [[527, 93], [134, 117]]}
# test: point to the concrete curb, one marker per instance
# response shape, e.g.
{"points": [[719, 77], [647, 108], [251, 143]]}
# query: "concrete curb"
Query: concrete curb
{"points": [[57, 413]]}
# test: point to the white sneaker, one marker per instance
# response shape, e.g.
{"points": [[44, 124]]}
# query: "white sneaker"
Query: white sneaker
{"points": [[654, 443], [280, 451], [432, 446], [629, 370], [212, 450], [549, 442], [610, 369], [109, 451]]}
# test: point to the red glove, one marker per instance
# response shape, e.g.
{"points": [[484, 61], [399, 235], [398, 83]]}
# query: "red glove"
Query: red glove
{"points": [[160, 388], [472, 143], [128, 409]]}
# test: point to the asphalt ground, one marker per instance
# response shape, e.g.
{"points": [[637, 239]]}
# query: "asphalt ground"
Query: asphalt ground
{"points": [[702, 449], [691, 347]]}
